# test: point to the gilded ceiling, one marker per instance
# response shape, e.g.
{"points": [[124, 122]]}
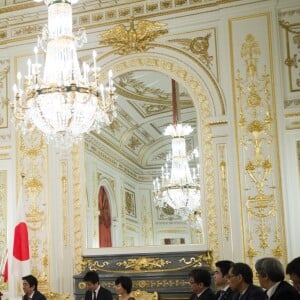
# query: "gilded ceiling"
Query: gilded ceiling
{"points": [[144, 110]]}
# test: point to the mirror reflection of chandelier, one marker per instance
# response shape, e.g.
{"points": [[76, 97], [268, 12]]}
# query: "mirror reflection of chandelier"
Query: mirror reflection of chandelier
{"points": [[179, 185], [64, 102]]}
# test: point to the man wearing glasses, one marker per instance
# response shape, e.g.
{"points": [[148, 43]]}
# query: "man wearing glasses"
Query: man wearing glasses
{"points": [[241, 281], [200, 280]]}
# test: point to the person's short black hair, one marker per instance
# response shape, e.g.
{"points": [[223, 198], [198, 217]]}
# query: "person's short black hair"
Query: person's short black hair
{"points": [[201, 275], [32, 281], [91, 276], [244, 270], [125, 282], [293, 267], [271, 267], [224, 266]]}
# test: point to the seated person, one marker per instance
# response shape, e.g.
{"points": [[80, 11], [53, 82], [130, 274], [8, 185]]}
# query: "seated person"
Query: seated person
{"points": [[30, 285], [123, 286], [293, 269], [270, 275], [221, 280], [94, 290], [241, 281], [200, 281]]}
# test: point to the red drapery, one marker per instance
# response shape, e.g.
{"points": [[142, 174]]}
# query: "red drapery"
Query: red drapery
{"points": [[104, 219]]}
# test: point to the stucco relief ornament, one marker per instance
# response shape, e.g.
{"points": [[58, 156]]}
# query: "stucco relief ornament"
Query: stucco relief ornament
{"points": [[134, 39], [199, 46]]}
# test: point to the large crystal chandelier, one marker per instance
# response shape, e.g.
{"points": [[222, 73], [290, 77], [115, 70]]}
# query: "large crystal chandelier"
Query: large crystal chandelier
{"points": [[66, 100], [179, 185]]}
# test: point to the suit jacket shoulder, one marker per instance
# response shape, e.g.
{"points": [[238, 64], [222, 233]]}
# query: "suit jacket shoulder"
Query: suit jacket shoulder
{"points": [[228, 295], [208, 294], [104, 294], [285, 291], [254, 293], [38, 296]]}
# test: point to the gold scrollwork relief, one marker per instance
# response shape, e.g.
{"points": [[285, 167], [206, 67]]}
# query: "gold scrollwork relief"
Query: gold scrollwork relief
{"points": [[292, 37], [94, 265], [257, 140], [198, 261], [143, 263], [32, 160], [147, 264], [77, 208], [4, 70], [198, 46], [223, 182], [3, 225]]}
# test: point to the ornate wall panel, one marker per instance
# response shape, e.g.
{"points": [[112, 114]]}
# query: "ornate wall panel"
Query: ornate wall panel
{"points": [[32, 162], [290, 24], [256, 134], [3, 223], [223, 195], [290, 40], [4, 70]]}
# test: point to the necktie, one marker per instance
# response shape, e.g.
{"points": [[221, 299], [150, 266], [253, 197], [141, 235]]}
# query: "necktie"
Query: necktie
{"points": [[222, 292], [266, 296], [94, 297]]}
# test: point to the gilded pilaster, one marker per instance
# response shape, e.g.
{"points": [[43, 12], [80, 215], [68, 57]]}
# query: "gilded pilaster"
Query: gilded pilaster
{"points": [[223, 191], [257, 140], [4, 70], [77, 209], [32, 163], [3, 224]]}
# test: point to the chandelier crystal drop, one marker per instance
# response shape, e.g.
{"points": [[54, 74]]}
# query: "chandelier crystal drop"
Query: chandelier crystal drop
{"points": [[66, 100], [179, 185]]}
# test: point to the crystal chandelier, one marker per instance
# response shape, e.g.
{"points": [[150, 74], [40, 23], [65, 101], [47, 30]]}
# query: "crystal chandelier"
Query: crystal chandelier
{"points": [[67, 100], [179, 185]]}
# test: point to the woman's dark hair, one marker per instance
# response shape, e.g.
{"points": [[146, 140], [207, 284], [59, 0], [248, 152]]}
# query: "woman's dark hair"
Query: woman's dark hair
{"points": [[125, 282]]}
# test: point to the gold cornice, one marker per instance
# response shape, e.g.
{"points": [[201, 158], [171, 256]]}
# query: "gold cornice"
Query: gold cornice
{"points": [[105, 11], [16, 7]]}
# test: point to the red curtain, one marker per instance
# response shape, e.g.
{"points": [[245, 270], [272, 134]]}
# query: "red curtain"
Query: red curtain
{"points": [[104, 219]]}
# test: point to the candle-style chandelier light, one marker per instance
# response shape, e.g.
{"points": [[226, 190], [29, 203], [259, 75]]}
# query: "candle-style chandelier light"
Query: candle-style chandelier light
{"points": [[66, 100], [179, 185]]}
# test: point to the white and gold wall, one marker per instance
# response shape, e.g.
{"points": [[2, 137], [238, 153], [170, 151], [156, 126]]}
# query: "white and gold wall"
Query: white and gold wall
{"points": [[245, 86]]}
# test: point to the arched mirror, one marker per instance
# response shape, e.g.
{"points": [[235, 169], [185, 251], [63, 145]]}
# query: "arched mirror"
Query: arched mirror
{"points": [[122, 160]]}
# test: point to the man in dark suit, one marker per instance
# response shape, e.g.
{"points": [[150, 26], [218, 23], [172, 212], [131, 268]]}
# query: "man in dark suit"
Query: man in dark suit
{"points": [[241, 281], [293, 269], [94, 290], [270, 274], [30, 285], [200, 280], [221, 280]]}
